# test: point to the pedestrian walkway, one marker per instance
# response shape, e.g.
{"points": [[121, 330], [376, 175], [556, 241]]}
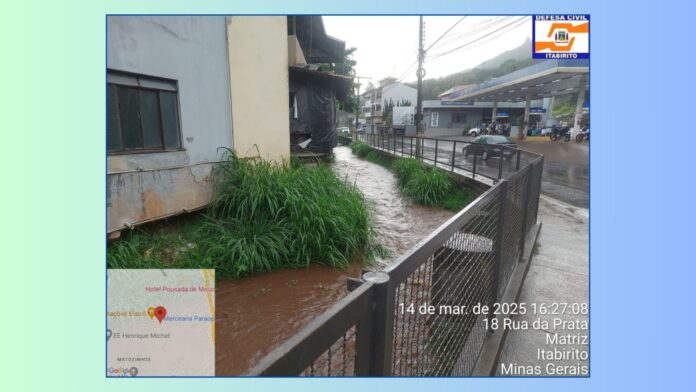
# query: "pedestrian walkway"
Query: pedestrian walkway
{"points": [[558, 274]]}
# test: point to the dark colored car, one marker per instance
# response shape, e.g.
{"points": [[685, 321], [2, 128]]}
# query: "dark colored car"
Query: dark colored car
{"points": [[489, 146]]}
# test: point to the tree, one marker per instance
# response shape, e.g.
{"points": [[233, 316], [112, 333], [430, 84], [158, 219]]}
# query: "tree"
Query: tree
{"points": [[345, 68], [388, 112]]}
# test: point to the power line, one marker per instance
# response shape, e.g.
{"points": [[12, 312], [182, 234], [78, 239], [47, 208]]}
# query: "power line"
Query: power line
{"points": [[405, 74], [477, 44], [407, 71], [445, 33], [477, 39], [495, 26], [474, 29]]}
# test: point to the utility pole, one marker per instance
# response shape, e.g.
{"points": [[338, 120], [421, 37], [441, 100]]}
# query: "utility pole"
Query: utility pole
{"points": [[357, 101], [419, 96]]}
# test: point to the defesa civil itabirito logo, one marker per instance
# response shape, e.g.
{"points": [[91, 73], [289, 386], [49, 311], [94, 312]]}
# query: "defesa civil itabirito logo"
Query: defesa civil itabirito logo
{"points": [[561, 36]]}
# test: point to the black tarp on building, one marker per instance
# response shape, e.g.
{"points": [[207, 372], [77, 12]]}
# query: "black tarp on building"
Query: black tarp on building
{"points": [[312, 111]]}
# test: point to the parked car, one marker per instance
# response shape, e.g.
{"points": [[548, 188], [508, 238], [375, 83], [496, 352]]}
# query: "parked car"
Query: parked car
{"points": [[343, 130], [490, 145], [473, 132]]}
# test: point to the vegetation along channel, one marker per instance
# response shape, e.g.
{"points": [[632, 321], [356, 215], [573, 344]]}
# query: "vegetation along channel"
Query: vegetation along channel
{"points": [[284, 238]]}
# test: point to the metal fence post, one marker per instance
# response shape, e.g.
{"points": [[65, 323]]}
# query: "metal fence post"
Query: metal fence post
{"points": [[382, 323], [473, 176], [525, 206], [422, 145], [498, 256], [402, 145], [540, 173], [436, 149], [410, 150], [500, 163], [517, 165], [454, 152]]}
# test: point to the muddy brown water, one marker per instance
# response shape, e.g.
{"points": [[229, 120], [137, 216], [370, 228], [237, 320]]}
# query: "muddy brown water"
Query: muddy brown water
{"points": [[253, 315]]}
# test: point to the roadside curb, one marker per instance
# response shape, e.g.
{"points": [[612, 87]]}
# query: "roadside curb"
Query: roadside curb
{"points": [[578, 212]]}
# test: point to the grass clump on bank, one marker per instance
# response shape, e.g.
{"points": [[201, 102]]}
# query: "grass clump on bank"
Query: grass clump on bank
{"points": [[426, 186], [360, 149], [264, 217], [365, 151]]}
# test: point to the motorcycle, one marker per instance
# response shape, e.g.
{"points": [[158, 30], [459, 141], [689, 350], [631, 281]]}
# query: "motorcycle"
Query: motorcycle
{"points": [[560, 133], [583, 135]]}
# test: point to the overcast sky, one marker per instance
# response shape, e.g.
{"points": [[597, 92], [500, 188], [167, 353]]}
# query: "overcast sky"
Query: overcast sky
{"points": [[388, 45]]}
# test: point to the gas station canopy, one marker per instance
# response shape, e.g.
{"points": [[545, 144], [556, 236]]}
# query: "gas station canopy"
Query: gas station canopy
{"points": [[545, 79]]}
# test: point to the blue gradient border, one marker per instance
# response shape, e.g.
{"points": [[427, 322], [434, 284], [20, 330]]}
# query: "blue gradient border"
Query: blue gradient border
{"points": [[642, 193]]}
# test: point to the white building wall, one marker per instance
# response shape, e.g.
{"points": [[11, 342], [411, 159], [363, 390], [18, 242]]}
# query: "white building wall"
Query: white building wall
{"points": [[397, 92], [258, 47], [193, 51]]}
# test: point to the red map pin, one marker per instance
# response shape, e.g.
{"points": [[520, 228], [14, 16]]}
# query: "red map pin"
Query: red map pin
{"points": [[160, 312]]}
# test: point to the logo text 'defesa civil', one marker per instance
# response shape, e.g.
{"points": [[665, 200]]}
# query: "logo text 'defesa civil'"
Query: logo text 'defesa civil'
{"points": [[561, 36]]}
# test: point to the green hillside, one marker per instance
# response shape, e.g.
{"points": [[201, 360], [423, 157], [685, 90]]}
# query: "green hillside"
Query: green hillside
{"points": [[502, 64]]}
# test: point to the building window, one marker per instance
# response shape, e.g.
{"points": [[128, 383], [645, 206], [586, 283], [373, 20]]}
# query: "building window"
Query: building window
{"points": [[143, 113], [434, 119], [459, 118]]}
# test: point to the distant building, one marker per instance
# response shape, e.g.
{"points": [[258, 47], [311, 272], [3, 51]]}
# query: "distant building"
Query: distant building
{"points": [[447, 118], [373, 101]]}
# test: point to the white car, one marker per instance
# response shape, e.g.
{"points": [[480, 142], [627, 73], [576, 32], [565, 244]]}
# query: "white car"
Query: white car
{"points": [[473, 132]]}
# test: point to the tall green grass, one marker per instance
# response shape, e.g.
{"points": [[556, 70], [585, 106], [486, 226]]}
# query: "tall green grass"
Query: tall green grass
{"points": [[406, 168], [428, 186], [264, 217], [360, 149], [170, 243]]}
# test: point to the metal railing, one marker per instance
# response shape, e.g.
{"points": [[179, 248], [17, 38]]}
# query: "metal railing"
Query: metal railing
{"points": [[385, 326], [456, 155]]}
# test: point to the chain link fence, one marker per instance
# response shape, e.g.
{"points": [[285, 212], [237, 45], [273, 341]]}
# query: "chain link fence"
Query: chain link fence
{"points": [[418, 317]]}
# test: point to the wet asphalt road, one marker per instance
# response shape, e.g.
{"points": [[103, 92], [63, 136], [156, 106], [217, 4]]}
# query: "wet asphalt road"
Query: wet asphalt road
{"points": [[566, 170]]}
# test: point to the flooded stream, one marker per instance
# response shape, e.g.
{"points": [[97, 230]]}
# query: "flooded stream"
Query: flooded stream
{"points": [[255, 314]]}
